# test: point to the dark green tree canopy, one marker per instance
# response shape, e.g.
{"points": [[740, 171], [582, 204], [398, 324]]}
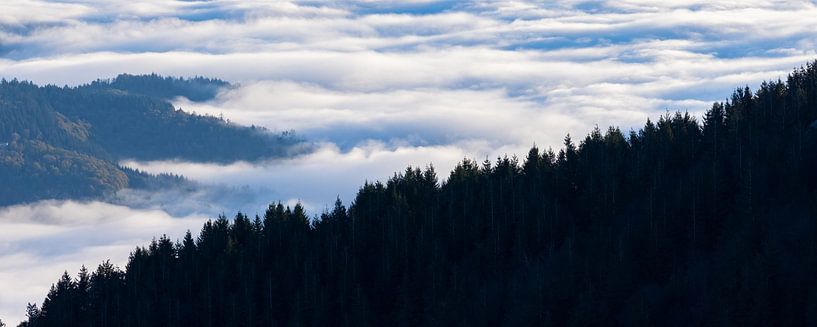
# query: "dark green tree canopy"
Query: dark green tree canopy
{"points": [[683, 222], [65, 142]]}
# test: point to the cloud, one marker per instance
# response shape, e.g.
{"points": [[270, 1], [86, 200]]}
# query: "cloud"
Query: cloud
{"points": [[411, 117], [208, 200], [726, 28], [41, 240], [379, 85], [318, 178], [20, 12]]}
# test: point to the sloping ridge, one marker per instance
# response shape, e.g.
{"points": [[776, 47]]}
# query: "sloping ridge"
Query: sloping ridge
{"points": [[64, 142]]}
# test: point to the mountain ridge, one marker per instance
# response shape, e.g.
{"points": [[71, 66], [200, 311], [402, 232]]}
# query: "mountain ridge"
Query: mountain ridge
{"points": [[682, 222], [128, 117]]}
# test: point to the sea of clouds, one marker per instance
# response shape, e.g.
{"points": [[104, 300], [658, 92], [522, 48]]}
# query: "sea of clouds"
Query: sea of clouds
{"points": [[377, 86]]}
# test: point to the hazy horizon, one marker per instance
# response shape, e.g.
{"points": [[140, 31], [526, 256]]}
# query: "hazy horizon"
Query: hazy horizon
{"points": [[377, 87]]}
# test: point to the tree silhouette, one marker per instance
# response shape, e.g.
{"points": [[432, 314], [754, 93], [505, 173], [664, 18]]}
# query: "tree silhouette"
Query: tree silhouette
{"points": [[678, 223]]}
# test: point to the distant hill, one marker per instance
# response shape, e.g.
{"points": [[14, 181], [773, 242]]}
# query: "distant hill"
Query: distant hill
{"points": [[195, 89], [684, 222], [64, 142], [32, 169]]}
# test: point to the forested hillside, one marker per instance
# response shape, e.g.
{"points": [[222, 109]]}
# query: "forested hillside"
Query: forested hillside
{"points": [[64, 142], [163, 87], [683, 222]]}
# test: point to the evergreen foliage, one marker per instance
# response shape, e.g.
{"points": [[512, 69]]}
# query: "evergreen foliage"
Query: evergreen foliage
{"points": [[680, 223], [163, 87], [64, 142]]}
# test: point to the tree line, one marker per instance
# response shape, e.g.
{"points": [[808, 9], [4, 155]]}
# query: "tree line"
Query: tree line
{"points": [[682, 222], [66, 142]]}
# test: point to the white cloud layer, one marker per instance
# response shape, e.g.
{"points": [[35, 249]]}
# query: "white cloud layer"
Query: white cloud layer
{"points": [[379, 84], [316, 179], [38, 242]]}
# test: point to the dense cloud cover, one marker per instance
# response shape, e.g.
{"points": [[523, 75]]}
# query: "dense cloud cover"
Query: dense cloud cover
{"points": [[42, 240], [378, 85]]}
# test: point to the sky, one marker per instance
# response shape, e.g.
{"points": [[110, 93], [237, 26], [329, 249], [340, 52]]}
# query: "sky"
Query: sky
{"points": [[377, 86]]}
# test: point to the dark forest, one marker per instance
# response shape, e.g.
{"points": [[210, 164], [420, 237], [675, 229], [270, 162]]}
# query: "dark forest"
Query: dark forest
{"points": [[66, 142], [686, 221]]}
